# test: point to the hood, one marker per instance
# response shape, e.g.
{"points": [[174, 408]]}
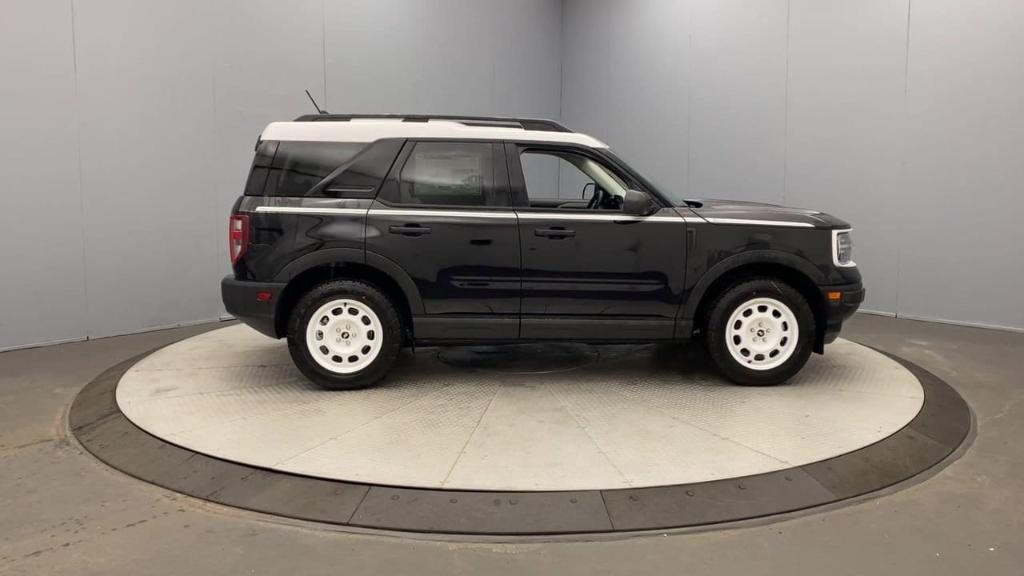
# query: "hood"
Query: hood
{"points": [[712, 210]]}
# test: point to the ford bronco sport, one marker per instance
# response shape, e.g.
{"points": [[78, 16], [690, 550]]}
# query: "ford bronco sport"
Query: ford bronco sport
{"points": [[360, 234]]}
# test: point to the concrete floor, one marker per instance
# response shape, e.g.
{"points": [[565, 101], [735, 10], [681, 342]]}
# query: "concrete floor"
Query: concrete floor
{"points": [[61, 511]]}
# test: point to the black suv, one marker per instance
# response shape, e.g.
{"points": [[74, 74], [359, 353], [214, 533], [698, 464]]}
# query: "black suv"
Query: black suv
{"points": [[358, 235]]}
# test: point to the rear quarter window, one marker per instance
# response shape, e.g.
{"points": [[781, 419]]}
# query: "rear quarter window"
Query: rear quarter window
{"points": [[299, 166], [321, 169], [257, 181]]}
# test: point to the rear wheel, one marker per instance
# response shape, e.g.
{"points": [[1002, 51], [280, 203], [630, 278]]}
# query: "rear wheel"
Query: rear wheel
{"points": [[344, 334], [760, 332]]}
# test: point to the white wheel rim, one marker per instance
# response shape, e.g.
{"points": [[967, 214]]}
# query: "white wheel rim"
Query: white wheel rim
{"points": [[344, 336], [762, 333]]}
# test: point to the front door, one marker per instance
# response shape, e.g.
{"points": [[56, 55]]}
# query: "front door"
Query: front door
{"points": [[444, 216], [591, 272]]}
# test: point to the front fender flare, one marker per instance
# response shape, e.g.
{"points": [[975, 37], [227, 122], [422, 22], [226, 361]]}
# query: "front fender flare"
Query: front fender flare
{"points": [[801, 265]]}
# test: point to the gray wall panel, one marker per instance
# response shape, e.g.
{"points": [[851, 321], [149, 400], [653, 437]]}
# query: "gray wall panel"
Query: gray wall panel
{"points": [[738, 99], [961, 248], [444, 57], [846, 127], [40, 202], [145, 91], [527, 58], [393, 55]]}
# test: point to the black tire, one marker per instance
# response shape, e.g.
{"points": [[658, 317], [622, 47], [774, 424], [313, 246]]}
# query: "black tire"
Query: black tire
{"points": [[369, 296], [717, 331]]}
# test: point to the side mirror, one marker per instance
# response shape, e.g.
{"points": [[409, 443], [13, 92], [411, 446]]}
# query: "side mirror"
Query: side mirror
{"points": [[637, 203], [588, 186]]}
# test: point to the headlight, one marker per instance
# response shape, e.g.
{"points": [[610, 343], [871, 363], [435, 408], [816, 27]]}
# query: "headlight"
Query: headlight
{"points": [[842, 248]]}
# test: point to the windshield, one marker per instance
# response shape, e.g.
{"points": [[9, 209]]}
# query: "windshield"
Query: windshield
{"points": [[669, 193]]}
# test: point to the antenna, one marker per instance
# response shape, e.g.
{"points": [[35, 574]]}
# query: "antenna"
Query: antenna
{"points": [[318, 109]]}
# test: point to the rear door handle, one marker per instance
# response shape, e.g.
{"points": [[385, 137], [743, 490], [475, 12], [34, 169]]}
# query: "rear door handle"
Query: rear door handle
{"points": [[409, 230], [555, 233]]}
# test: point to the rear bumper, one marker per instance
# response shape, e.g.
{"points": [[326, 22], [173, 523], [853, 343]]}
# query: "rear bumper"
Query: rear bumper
{"points": [[249, 302], [838, 309]]}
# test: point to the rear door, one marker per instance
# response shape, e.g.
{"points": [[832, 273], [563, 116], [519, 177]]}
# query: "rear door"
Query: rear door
{"points": [[444, 216]]}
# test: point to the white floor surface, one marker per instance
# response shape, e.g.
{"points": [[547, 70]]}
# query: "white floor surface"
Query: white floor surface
{"points": [[612, 417]]}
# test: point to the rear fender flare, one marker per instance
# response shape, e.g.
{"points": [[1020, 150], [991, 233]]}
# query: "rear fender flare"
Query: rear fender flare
{"points": [[342, 256]]}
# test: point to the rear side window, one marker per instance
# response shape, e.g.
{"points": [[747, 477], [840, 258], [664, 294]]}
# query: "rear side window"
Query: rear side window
{"points": [[360, 177], [265, 151], [299, 166], [450, 174]]}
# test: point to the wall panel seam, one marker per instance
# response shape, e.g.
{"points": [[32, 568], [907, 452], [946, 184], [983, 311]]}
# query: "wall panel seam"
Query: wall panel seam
{"points": [[785, 108], [905, 153], [81, 185]]}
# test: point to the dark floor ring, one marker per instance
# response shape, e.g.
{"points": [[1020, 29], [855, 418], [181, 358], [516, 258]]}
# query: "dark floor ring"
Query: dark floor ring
{"points": [[938, 429]]}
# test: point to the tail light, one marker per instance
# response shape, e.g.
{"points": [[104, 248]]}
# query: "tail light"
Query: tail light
{"points": [[238, 236]]}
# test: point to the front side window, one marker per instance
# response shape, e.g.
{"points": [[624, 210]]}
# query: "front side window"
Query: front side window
{"points": [[450, 174], [568, 180]]}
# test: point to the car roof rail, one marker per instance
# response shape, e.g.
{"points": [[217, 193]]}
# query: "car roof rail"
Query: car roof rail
{"points": [[539, 124]]}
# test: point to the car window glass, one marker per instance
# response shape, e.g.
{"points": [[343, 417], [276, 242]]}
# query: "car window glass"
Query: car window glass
{"points": [[556, 178], [299, 166], [261, 166], [450, 174]]}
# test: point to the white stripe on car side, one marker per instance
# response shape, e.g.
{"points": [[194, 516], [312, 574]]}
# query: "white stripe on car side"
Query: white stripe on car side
{"points": [[760, 222], [452, 213], [522, 215], [310, 210], [598, 217]]}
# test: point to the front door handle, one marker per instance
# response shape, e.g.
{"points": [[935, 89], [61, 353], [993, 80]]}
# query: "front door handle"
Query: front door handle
{"points": [[555, 233], [409, 230]]}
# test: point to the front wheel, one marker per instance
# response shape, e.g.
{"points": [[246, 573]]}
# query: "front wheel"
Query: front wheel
{"points": [[760, 332], [344, 334]]}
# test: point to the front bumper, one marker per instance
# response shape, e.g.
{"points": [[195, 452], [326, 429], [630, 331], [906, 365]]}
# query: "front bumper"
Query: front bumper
{"points": [[254, 303], [841, 301]]}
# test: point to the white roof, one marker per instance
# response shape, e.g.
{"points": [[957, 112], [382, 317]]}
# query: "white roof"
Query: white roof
{"points": [[367, 130]]}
